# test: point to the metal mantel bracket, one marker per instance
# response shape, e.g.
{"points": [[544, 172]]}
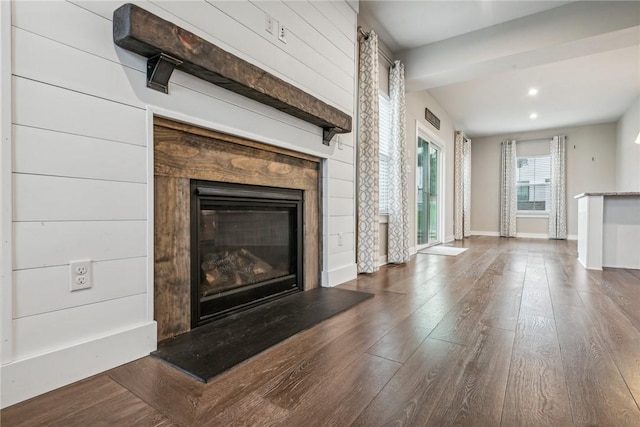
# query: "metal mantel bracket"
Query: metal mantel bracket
{"points": [[159, 70], [168, 47]]}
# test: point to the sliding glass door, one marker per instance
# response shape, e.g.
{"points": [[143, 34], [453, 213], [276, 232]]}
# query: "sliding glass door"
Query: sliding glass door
{"points": [[427, 173]]}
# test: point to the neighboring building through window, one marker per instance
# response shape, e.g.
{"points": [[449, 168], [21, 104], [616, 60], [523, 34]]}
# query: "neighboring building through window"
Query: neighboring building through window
{"points": [[533, 184], [384, 151]]}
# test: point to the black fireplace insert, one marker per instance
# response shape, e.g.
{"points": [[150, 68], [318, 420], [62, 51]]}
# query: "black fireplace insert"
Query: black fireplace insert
{"points": [[246, 247]]}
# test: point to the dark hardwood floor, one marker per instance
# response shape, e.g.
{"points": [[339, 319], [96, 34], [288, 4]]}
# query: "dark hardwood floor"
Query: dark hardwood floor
{"points": [[512, 332]]}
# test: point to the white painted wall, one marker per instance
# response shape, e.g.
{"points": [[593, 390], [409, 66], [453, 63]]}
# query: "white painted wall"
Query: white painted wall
{"points": [[591, 167], [627, 151], [82, 169], [416, 104]]}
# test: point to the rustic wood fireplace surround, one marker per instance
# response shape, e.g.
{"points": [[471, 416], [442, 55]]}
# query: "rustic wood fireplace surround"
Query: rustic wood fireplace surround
{"points": [[184, 152]]}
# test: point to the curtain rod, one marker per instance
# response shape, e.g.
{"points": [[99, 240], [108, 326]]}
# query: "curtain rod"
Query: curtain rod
{"points": [[534, 139], [380, 51]]}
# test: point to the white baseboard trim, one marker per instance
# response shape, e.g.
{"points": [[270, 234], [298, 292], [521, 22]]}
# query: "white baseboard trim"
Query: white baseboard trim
{"points": [[587, 268], [413, 250], [485, 233], [532, 235], [27, 378], [521, 235], [628, 266], [339, 275], [450, 239]]}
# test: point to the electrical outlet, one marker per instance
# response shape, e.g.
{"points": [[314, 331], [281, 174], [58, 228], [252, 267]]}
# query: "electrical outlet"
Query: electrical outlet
{"points": [[80, 274], [282, 33], [270, 24], [340, 240]]}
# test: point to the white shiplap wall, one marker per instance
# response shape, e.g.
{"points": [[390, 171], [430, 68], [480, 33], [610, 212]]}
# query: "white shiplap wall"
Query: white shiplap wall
{"points": [[81, 173]]}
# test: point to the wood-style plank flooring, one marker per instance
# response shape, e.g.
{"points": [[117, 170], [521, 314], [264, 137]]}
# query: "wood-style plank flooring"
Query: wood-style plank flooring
{"points": [[512, 332]]}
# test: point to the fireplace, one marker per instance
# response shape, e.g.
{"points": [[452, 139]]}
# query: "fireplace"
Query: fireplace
{"points": [[270, 192], [246, 247]]}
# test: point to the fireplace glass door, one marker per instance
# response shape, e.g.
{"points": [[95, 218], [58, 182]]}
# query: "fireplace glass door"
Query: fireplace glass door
{"points": [[246, 247]]}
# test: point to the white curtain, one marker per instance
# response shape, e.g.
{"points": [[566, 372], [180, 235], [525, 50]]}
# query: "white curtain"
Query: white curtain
{"points": [[508, 190], [398, 227], [558, 206], [462, 191], [368, 245]]}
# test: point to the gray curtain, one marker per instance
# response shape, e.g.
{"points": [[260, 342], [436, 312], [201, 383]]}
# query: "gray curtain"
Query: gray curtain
{"points": [[462, 191], [558, 206], [398, 227], [508, 190], [368, 244]]}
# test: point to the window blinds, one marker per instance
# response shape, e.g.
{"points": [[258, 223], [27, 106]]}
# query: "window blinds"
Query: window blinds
{"points": [[533, 182], [385, 150]]}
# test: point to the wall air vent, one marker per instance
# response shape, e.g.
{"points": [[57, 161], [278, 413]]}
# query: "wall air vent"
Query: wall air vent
{"points": [[431, 118]]}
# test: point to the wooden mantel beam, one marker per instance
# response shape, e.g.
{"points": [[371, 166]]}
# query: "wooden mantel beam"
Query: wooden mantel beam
{"points": [[142, 32]]}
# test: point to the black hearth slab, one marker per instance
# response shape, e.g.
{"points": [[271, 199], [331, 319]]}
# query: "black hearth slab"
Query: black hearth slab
{"points": [[207, 351]]}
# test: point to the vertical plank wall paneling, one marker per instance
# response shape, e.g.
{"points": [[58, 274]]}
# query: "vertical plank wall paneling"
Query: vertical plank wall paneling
{"points": [[80, 172], [6, 190]]}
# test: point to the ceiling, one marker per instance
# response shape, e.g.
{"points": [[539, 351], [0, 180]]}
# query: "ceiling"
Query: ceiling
{"points": [[479, 59]]}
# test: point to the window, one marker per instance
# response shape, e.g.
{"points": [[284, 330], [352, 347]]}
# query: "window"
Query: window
{"points": [[384, 151], [533, 184]]}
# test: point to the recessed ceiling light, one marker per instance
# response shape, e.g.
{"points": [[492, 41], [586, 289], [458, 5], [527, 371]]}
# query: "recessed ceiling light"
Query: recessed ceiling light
{"points": [[533, 91], [533, 116]]}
